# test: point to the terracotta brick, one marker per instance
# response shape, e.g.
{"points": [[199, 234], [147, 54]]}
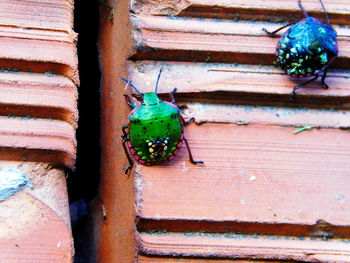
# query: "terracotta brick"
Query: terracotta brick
{"points": [[245, 115], [54, 15], [38, 95], [199, 41], [246, 10], [238, 84], [258, 183], [38, 108], [263, 193], [238, 247], [39, 56], [262, 163], [114, 214], [226, 27], [38, 134], [34, 225], [43, 36], [49, 241], [339, 6], [143, 259]]}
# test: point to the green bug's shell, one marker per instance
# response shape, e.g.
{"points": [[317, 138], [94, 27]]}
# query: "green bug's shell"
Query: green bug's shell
{"points": [[155, 132]]}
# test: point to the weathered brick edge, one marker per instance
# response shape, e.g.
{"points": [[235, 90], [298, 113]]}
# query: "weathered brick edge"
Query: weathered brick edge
{"points": [[38, 116]]}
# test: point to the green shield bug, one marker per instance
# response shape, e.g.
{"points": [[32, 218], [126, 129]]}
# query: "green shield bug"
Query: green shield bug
{"points": [[155, 131]]}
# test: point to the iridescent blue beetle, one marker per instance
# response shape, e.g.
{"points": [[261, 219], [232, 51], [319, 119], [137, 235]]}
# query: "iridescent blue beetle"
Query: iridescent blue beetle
{"points": [[306, 49]]}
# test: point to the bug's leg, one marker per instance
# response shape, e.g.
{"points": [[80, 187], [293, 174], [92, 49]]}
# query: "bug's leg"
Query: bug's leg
{"points": [[302, 8], [292, 98], [324, 77], [277, 30], [128, 101], [171, 94], [131, 163], [125, 139], [190, 154], [185, 123]]}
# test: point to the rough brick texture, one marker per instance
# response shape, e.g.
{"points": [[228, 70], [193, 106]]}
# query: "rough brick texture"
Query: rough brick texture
{"points": [[264, 191], [38, 118]]}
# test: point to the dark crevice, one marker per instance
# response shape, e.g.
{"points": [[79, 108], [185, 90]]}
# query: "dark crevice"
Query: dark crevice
{"points": [[84, 180], [195, 56], [257, 14], [314, 101], [30, 111], [55, 158], [179, 258], [320, 230]]}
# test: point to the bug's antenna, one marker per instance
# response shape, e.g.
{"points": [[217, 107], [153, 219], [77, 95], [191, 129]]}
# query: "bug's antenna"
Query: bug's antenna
{"points": [[302, 8], [325, 11], [160, 72], [132, 85]]}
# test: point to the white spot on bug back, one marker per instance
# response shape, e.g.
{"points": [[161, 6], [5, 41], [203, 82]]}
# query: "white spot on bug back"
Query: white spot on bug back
{"points": [[323, 58]]}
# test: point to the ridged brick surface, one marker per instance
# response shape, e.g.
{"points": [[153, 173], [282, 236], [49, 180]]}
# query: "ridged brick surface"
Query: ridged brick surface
{"points": [[143, 259], [38, 118], [32, 28], [266, 191], [38, 96]]}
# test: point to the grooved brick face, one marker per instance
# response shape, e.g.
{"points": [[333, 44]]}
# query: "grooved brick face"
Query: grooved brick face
{"points": [[38, 95], [43, 36], [38, 116], [53, 15], [265, 192], [38, 110]]}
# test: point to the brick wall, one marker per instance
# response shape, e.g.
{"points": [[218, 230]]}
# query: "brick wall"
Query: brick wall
{"points": [[38, 116], [264, 192]]}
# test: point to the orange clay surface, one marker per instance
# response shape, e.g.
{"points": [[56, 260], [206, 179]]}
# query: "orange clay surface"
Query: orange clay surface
{"points": [[263, 173], [38, 37], [38, 95], [38, 108], [143, 259], [239, 84], [263, 192], [256, 179], [22, 135], [35, 222], [49, 239], [244, 247]]}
